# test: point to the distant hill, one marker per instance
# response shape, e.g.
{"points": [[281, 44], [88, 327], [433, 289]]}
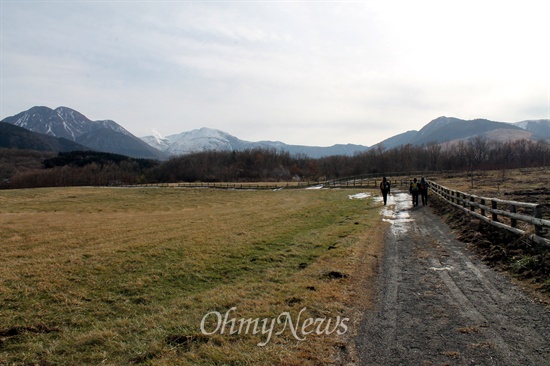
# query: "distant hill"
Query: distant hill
{"points": [[448, 129], [83, 158], [104, 135], [20, 138]]}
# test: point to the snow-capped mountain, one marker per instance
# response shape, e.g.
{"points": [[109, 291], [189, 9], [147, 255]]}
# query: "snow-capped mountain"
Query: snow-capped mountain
{"points": [[105, 135], [204, 139], [61, 122], [208, 139]]}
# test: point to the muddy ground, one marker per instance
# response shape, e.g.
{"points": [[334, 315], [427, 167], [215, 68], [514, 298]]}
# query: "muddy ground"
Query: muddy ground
{"points": [[437, 302], [500, 249]]}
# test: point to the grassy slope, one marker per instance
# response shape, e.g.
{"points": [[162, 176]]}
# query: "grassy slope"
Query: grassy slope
{"points": [[121, 276]]}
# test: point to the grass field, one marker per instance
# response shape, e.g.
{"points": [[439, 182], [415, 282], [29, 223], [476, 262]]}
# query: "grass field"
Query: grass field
{"points": [[124, 276]]}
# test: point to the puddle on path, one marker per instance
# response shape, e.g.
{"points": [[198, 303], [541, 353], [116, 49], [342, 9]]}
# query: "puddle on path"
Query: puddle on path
{"points": [[397, 212], [446, 268]]}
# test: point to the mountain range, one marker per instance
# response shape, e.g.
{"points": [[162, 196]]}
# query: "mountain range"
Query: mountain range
{"points": [[64, 129], [208, 139]]}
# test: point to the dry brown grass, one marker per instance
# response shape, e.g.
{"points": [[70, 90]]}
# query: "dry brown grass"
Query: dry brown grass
{"points": [[497, 183], [122, 276]]}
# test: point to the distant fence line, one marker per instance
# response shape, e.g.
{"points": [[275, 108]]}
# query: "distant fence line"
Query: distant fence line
{"points": [[340, 183], [362, 181], [225, 185], [491, 208]]}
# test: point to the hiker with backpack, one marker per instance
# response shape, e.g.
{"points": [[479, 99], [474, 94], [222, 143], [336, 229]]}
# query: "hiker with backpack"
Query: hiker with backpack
{"points": [[414, 190], [385, 189], [424, 191]]}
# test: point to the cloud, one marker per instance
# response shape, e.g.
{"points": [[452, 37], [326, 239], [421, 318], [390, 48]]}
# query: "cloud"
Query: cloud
{"points": [[315, 73]]}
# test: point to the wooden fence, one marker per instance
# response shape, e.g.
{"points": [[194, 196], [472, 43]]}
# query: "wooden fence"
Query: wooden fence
{"points": [[341, 183], [519, 217], [225, 185], [362, 183]]}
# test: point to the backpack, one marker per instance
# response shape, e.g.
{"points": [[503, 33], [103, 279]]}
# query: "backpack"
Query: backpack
{"points": [[385, 186], [414, 187]]}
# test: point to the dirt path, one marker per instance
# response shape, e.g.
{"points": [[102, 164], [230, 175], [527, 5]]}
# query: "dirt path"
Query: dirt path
{"points": [[436, 304]]}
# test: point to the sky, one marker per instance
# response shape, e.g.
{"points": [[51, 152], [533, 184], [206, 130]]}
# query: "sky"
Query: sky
{"points": [[314, 73]]}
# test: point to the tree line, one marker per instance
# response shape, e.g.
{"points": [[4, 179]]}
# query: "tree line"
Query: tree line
{"points": [[263, 165]]}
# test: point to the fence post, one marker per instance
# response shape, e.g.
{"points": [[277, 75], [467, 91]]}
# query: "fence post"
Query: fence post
{"points": [[513, 222], [494, 216], [482, 202], [472, 207], [537, 213]]}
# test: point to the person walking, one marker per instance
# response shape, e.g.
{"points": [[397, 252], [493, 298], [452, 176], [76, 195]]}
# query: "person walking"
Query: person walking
{"points": [[385, 189], [414, 190], [424, 191]]}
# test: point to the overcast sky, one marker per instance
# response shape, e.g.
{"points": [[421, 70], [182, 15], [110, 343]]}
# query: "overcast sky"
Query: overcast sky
{"points": [[308, 72]]}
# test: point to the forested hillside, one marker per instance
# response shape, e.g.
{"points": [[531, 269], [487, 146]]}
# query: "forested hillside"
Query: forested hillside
{"points": [[92, 168]]}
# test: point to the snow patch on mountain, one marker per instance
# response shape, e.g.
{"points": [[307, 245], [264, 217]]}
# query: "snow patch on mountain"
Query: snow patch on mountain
{"points": [[540, 128], [537, 122], [157, 141]]}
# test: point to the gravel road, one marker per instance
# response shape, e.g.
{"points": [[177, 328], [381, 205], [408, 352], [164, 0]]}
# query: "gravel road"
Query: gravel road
{"points": [[437, 304]]}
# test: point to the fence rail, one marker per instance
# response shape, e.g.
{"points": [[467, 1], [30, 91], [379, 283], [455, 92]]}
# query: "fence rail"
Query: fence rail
{"points": [[491, 210], [362, 183]]}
